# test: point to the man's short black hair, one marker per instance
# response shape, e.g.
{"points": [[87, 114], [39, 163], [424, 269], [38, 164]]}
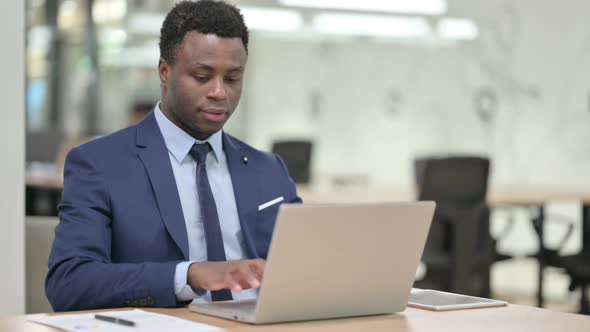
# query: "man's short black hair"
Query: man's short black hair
{"points": [[206, 16]]}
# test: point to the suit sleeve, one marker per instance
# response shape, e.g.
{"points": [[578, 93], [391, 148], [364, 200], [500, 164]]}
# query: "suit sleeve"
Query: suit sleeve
{"points": [[291, 185], [81, 274]]}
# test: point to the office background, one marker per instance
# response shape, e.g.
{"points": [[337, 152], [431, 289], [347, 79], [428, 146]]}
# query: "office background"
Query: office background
{"points": [[517, 87], [510, 81]]}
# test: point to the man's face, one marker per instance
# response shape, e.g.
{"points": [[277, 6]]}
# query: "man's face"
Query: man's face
{"points": [[202, 88]]}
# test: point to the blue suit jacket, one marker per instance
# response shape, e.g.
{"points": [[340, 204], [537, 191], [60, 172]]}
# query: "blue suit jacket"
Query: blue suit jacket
{"points": [[122, 230]]}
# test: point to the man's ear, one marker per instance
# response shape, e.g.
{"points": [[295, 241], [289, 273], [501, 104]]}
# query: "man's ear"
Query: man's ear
{"points": [[163, 71]]}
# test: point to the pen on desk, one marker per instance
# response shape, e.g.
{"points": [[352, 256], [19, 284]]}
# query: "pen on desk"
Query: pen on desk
{"points": [[115, 320]]}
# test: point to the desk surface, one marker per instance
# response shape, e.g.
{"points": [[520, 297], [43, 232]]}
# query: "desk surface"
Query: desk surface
{"points": [[505, 319], [55, 183], [498, 196]]}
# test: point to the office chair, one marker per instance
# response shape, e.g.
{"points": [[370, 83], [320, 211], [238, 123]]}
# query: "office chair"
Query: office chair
{"points": [[550, 256], [39, 234], [578, 268], [297, 156], [459, 250], [42, 150], [43, 146]]}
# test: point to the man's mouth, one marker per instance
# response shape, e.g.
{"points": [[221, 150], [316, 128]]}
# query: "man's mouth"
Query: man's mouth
{"points": [[214, 114], [214, 110]]}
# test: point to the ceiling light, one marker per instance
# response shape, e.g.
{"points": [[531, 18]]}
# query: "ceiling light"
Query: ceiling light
{"points": [[457, 29], [105, 11], [258, 18], [424, 7], [371, 25]]}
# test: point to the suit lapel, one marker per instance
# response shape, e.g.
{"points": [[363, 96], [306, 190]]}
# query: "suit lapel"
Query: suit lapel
{"points": [[244, 182], [153, 153]]}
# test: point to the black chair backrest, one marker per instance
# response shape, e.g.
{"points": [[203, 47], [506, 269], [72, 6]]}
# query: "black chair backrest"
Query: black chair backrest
{"points": [[43, 145], [453, 180], [297, 157], [458, 185]]}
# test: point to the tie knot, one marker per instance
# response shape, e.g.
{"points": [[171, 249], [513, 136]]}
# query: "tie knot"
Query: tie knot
{"points": [[199, 152]]}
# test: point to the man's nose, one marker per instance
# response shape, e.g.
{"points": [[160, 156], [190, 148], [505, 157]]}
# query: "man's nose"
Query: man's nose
{"points": [[217, 90]]}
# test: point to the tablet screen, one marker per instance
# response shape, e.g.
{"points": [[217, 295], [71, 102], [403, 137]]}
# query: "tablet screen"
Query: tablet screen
{"points": [[437, 300]]}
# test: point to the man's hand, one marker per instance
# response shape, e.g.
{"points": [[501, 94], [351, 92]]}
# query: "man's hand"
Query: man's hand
{"points": [[233, 275]]}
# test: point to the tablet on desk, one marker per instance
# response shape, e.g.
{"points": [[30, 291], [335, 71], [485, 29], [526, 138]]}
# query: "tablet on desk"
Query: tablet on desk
{"points": [[438, 300]]}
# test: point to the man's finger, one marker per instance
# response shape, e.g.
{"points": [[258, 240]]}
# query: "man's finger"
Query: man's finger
{"points": [[247, 277], [257, 266], [214, 285], [254, 282], [247, 282], [231, 282]]}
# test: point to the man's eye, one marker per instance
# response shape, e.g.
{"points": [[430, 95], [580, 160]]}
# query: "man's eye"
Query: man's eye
{"points": [[232, 79], [201, 78]]}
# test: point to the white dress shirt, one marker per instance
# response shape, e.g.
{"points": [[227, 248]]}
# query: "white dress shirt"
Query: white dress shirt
{"points": [[179, 143]]}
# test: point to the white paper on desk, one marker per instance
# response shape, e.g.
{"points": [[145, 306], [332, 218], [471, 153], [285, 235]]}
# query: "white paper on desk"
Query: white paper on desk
{"points": [[144, 321]]}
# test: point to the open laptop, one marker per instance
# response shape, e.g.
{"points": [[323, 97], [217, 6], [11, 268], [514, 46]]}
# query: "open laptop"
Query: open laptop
{"points": [[329, 261]]}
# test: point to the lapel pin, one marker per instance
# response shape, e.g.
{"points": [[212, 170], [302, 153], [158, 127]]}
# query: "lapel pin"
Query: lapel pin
{"points": [[245, 159]]}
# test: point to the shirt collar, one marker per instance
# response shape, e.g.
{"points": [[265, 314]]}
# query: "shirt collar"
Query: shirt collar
{"points": [[179, 143]]}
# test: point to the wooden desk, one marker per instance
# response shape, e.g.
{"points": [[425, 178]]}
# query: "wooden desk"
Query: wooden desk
{"points": [[47, 182], [506, 319], [498, 196]]}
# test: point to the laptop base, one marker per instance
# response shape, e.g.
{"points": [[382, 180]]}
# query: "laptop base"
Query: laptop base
{"points": [[241, 310]]}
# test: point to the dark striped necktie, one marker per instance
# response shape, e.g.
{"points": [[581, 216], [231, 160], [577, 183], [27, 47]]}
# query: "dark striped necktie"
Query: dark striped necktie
{"points": [[213, 239]]}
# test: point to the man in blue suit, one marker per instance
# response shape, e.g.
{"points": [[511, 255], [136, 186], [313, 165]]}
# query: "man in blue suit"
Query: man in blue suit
{"points": [[172, 209]]}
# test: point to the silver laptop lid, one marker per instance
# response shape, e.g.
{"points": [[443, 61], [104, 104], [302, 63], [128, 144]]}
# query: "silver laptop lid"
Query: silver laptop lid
{"points": [[329, 261]]}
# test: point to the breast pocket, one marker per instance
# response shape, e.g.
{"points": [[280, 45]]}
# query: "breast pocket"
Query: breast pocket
{"points": [[265, 222]]}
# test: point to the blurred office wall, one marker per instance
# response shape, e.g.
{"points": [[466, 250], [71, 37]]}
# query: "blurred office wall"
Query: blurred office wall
{"points": [[511, 82], [12, 129], [518, 92]]}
